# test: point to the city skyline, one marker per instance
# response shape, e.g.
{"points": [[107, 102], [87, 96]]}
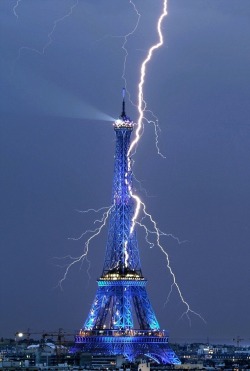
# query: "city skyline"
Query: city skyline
{"points": [[57, 145]]}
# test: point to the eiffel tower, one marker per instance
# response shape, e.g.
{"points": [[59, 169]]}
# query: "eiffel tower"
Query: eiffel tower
{"points": [[121, 320]]}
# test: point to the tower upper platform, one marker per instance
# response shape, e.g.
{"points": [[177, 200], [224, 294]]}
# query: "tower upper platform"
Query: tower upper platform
{"points": [[123, 124]]}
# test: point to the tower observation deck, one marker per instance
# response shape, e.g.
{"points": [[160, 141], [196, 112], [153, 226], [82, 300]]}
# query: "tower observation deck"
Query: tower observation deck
{"points": [[121, 319]]}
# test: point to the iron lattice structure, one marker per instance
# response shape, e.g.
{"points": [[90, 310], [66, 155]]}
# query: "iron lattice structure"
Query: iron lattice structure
{"points": [[121, 319]]}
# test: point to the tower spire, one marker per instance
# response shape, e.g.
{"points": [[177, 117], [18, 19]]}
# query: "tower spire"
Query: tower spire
{"points": [[123, 115]]}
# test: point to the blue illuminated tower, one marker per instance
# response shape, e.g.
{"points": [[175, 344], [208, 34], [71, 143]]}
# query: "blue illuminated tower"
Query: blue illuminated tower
{"points": [[121, 319]]}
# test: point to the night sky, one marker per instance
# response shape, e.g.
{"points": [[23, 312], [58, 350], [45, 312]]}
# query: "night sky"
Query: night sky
{"points": [[57, 151]]}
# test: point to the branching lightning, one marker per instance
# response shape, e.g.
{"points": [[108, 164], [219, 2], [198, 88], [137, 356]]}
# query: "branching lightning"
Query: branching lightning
{"points": [[50, 34], [157, 130], [157, 232], [108, 208], [94, 210], [81, 258], [141, 188], [15, 8]]}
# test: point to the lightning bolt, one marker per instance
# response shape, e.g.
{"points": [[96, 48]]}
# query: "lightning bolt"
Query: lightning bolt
{"points": [[142, 110], [141, 102], [15, 8], [50, 34]]}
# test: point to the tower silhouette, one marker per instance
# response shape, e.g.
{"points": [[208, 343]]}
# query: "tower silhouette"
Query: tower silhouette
{"points": [[121, 319]]}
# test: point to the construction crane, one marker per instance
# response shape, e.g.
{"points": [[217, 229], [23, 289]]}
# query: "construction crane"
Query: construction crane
{"points": [[60, 339], [26, 334], [60, 334], [238, 341]]}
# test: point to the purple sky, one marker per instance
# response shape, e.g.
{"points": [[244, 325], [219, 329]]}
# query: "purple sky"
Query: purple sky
{"points": [[57, 151]]}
